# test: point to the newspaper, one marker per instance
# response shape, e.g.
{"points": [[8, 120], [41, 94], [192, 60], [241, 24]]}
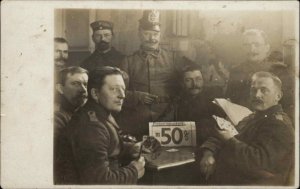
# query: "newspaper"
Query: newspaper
{"points": [[234, 111]]}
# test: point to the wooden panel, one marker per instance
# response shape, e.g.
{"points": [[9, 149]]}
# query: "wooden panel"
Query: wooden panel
{"points": [[77, 29]]}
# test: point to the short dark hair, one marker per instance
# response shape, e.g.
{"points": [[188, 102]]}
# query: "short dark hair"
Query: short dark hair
{"points": [[263, 74], [97, 76], [62, 76], [190, 68], [60, 40]]}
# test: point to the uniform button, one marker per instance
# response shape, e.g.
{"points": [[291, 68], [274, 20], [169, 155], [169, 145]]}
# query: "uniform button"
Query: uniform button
{"points": [[266, 116]]}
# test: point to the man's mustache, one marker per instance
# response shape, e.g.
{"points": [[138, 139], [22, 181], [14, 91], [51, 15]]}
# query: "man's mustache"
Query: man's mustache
{"points": [[152, 41], [82, 95], [102, 43], [61, 59], [259, 101], [195, 88]]}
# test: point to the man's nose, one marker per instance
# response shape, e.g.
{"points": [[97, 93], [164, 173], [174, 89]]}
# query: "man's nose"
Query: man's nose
{"points": [[101, 37], [258, 94], [151, 37], [192, 84], [121, 94], [83, 88], [60, 53]]}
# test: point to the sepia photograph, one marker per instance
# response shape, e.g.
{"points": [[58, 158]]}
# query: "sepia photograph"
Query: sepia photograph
{"points": [[146, 94]]}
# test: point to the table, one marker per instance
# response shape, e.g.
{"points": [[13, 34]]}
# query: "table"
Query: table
{"points": [[171, 166]]}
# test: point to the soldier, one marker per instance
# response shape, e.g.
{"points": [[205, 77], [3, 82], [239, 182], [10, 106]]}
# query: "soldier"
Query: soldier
{"points": [[94, 144], [263, 151], [152, 79], [104, 54], [71, 88], [257, 47], [61, 53], [195, 103]]}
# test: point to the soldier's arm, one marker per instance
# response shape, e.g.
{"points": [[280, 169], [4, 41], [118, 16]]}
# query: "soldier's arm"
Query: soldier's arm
{"points": [[270, 145], [91, 153], [212, 144], [133, 97]]}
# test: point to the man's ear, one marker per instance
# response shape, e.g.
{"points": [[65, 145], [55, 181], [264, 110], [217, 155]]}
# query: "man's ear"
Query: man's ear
{"points": [[279, 96], [59, 88], [94, 94], [93, 38]]}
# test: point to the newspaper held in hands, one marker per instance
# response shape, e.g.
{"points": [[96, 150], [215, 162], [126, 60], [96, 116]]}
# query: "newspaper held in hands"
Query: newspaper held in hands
{"points": [[234, 112], [225, 125]]}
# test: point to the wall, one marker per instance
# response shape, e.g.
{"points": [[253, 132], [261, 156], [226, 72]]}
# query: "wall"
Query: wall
{"points": [[219, 29]]}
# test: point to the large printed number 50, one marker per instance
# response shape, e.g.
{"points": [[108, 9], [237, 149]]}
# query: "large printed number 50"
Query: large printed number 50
{"points": [[165, 132]]}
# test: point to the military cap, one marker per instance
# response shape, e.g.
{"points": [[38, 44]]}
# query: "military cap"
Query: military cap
{"points": [[101, 25], [150, 20]]}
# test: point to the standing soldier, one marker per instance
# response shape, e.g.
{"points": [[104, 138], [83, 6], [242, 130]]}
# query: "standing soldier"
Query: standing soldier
{"points": [[256, 46], [61, 53], [152, 79], [104, 54]]}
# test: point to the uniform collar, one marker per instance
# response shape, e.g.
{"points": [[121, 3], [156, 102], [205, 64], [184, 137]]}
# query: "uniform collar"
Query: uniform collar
{"points": [[112, 49], [253, 67], [101, 112], [154, 53], [271, 111]]}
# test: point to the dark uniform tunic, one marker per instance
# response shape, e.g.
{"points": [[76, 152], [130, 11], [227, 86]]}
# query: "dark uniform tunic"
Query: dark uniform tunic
{"points": [[199, 109], [151, 72], [261, 154], [238, 88], [98, 59], [92, 144], [63, 111]]}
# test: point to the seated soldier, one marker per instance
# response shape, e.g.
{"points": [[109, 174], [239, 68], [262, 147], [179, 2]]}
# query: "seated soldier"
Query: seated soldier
{"points": [[263, 151], [71, 94], [93, 142], [195, 103]]}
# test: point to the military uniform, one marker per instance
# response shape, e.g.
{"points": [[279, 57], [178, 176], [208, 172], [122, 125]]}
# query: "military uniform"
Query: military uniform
{"points": [[98, 59], [155, 73], [63, 111], [93, 145], [261, 154], [238, 88]]}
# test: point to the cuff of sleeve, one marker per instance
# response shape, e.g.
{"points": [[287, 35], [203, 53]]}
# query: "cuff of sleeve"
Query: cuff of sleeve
{"points": [[134, 174], [233, 140]]}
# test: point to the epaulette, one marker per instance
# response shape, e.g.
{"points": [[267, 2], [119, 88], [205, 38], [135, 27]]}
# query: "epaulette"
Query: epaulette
{"points": [[279, 117], [92, 116]]}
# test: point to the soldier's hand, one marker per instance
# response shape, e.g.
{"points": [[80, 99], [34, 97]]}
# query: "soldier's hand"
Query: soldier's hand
{"points": [[207, 164], [225, 134], [140, 166], [225, 130], [134, 151], [146, 98]]}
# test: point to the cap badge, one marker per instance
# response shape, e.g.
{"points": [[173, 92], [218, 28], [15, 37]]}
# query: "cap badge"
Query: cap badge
{"points": [[153, 16]]}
